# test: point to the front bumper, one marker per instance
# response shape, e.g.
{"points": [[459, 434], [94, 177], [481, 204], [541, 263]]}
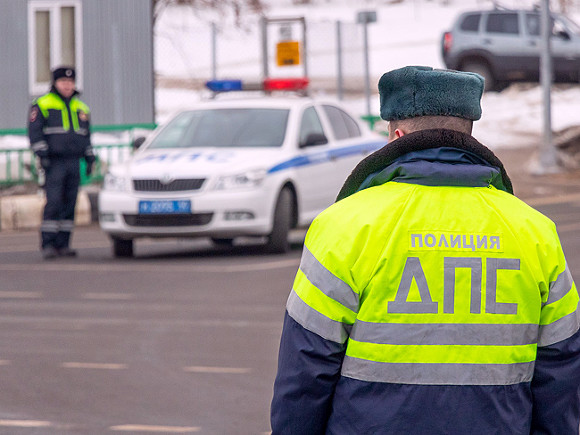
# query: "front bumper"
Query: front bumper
{"points": [[220, 214]]}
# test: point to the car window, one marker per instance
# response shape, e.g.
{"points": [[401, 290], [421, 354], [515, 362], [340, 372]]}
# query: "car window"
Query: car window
{"points": [[570, 25], [343, 126], [470, 23], [506, 23], [238, 127], [533, 24], [559, 28], [310, 124]]}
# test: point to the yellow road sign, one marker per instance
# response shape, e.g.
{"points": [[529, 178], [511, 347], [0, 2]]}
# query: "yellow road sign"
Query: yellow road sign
{"points": [[288, 53]]}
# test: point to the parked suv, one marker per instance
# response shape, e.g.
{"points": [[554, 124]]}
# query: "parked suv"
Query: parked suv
{"points": [[504, 46]]}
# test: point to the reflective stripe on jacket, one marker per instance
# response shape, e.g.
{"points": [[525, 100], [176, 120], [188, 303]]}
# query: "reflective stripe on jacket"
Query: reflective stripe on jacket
{"points": [[426, 293]]}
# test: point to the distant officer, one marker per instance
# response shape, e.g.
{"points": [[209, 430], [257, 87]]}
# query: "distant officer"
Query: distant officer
{"points": [[58, 129], [430, 300]]}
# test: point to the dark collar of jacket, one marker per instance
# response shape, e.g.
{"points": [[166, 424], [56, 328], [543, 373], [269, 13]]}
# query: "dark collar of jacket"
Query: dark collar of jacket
{"points": [[430, 157]]}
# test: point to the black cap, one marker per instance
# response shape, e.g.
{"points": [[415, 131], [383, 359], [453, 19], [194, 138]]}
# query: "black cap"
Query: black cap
{"points": [[63, 72]]}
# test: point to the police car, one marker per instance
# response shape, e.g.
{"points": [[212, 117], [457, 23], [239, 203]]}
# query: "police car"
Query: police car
{"points": [[236, 168]]}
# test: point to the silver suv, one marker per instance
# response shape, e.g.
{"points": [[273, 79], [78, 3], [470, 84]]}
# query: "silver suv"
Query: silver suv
{"points": [[503, 45]]}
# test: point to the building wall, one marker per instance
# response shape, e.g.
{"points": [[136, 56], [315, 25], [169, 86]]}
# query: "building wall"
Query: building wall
{"points": [[14, 98], [117, 62], [118, 59]]}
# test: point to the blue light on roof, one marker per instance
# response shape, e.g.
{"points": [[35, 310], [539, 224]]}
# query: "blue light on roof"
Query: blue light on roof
{"points": [[224, 85]]}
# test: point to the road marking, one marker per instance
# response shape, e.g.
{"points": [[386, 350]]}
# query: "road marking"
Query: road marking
{"points": [[34, 248], [568, 227], [107, 296], [159, 268], [148, 428], [4, 362], [228, 370], [25, 423], [99, 366], [20, 295], [546, 200]]}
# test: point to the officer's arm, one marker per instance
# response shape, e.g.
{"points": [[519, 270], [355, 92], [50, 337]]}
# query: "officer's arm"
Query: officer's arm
{"points": [[556, 382], [308, 370], [35, 132], [89, 151], [320, 313]]}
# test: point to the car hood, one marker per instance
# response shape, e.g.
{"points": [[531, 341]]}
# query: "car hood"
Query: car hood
{"points": [[200, 163]]}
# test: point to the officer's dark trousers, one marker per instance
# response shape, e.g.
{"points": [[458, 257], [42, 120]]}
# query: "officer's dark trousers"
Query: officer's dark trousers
{"points": [[61, 186]]}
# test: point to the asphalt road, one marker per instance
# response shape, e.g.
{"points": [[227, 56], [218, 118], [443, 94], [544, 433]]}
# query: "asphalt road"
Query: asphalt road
{"points": [[181, 339]]}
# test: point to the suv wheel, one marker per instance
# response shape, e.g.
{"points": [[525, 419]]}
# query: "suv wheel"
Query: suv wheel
{"points": [[483, 70]]}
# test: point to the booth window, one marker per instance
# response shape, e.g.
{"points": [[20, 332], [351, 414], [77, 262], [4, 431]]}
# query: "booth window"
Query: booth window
{"points": [[54, 39]]}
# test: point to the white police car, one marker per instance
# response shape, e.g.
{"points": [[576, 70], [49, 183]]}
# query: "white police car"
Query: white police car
{"points": [[227, 169]]}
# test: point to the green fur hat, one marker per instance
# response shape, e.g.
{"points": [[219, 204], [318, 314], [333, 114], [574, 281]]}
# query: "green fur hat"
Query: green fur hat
{"points": [[423, 91]]}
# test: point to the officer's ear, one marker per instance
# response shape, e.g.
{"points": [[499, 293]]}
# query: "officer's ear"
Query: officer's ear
{"points": [[398, 133], [395, 133]]}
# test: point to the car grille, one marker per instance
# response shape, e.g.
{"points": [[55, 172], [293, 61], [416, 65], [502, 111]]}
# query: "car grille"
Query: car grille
{"points": [[167, 220], [173, 186]]}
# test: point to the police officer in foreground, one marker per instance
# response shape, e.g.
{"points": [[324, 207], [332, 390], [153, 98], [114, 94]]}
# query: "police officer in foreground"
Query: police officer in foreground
{"points": [[58, 129], [429, 299]]}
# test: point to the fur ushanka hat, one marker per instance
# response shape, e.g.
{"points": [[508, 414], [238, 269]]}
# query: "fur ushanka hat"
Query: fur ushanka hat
{"points": [[423, 91]]}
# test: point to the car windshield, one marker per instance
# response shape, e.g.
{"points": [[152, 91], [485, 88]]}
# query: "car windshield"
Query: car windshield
{"points": [[236, 127]]}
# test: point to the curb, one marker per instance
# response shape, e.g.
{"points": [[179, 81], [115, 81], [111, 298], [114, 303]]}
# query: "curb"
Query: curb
{"points": [[24, 212]]}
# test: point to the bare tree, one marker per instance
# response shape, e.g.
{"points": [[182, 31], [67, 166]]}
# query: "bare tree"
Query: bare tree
{"points": [[237, 7]]}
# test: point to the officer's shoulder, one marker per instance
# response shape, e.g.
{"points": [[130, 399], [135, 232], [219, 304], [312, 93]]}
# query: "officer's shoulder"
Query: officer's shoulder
{"points": [[521, 211]]}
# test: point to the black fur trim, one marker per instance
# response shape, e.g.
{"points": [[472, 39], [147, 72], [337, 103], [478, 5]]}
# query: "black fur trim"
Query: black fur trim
{"points": [[420, 140]]}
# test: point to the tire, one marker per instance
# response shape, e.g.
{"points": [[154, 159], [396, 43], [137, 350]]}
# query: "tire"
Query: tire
{"points": [[278, 239], [122, 248], [483, 70], [222, 242]]}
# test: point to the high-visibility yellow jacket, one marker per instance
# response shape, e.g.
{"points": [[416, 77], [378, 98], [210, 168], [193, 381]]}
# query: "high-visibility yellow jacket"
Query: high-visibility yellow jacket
{"points": [[59, 127], [430, 300]]}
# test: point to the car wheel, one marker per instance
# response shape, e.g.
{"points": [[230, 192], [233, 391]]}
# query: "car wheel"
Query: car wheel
{"points": [[483, 70], [278, 238], [122, 247], [222, 242]]}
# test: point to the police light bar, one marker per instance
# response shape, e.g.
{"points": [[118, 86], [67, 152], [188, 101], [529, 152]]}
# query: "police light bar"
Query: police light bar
{"points": [[286, 84], [269, 84]]}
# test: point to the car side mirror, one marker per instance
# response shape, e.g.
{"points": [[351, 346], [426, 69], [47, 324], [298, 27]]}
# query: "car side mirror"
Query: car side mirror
{"points": [[138, 142], [314, 139], [562, 34]]}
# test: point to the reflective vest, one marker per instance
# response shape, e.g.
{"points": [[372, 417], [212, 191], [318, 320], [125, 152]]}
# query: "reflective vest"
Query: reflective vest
{"points": [[79, 112], [424, 291]]}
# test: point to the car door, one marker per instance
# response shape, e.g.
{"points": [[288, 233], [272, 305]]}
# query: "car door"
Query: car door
{"points": [[502, 38], [565, 51], [565, 56], [349, 146], [532, 44], [315, 179]]}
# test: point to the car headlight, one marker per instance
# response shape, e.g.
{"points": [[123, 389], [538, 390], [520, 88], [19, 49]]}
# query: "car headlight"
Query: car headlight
{"points": [[252, 178], [115, 182]]}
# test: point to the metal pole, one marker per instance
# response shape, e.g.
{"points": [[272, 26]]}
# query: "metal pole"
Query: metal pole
{"points": [[305, 47], [339, 75], [264, 26], [547, 154], [213, 51], [367, 69]]}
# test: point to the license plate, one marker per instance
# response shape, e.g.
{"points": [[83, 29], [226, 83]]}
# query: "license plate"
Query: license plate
{"points": [[166, 206]]}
